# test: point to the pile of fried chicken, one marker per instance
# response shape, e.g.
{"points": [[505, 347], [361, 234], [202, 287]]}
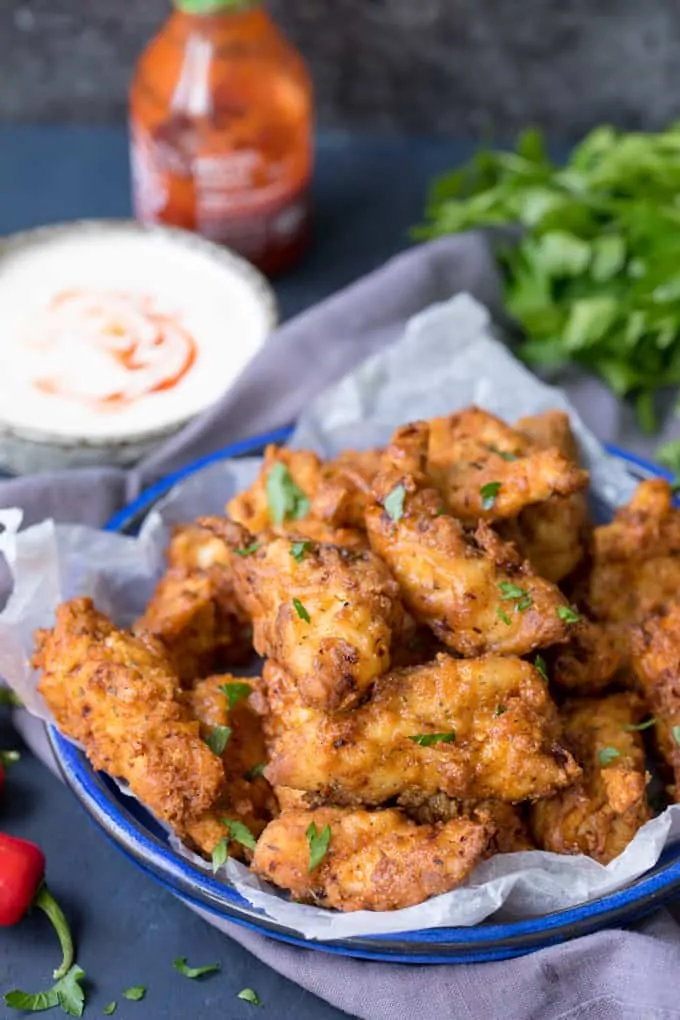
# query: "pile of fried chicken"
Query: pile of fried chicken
{"points": [[457, 664]]}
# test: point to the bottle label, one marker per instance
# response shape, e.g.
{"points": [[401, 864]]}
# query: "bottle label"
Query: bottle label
{"points": [[150, 190]]}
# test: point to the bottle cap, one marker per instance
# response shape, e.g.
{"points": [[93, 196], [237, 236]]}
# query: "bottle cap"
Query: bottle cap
{"points": [[214, 6]]}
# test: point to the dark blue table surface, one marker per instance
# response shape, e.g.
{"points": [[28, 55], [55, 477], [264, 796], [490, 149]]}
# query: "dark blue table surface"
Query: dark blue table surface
{"points": [[368, 191]]}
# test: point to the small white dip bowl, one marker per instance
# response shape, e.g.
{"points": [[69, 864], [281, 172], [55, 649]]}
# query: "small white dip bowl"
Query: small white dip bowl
{"points": [[87, 374]]}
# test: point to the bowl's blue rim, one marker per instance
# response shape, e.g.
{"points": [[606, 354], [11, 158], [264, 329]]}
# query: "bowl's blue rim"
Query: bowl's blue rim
{"points": [[487, 941]]}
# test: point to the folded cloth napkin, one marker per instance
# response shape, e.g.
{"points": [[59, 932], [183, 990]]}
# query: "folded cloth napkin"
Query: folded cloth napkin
{"points": [[611, 974]]}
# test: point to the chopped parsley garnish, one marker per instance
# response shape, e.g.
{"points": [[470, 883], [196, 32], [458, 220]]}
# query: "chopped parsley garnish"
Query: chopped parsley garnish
{"points": [[180, 965], [235, 692], [488, 493], [640, 726], [218, 738], [567, 614], [428, 739], [676, 734], [503, 616], [285, 499], [240, 833], [298, 550], [301, 611], [539, 664], [394, 502], [502, 453], [500, 709], [511, 593], [220, 854], [66, 993], [110, 1009], [135, 994], [318, 844], [248, 995], [607, 755], [248, 550], [257, 770]]}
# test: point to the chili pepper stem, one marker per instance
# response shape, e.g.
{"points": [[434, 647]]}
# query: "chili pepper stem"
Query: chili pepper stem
{"points": [[46, 902]]}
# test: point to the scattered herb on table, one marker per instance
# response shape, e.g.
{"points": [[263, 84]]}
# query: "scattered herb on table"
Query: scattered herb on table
{"points": [[594, 275], [430, 739], [318, 844], [181, 966], [394, 502], [285, 499], [111, 1008], [489, 492], [67, 993], [248, 995], [236, 692], [135, 994]]}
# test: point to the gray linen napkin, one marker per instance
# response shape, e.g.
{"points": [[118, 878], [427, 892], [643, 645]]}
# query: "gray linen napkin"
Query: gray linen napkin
{"points": [[612, 974]]}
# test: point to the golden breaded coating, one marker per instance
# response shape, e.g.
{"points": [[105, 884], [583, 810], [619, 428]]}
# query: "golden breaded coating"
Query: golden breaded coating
{"points": [[599, 815], [472, 589], [593, 658], [326, 612], [193, 610], [655, 660], [116, 694], [636, 558], [473, 729], [473, 449], [508, 826], [247, 796], [377, 860]]}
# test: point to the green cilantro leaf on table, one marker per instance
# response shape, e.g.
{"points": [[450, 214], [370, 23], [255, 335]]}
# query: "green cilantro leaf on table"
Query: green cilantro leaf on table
{"points": [[429, 739], [248, 995], [567, 614], [236, 692], [135, 994], [301, 611], [539, 664], [488, 493], [606, 755], [181, 966], [66, 993], [394, 503], [110, 1009], [318, 844], [592, 274], [285, 499], [240, 833], [218, 738], [298, 550]]}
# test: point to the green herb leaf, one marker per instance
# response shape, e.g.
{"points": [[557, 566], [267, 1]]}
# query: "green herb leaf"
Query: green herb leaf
{"points": [[235, 692], [8, 697], [218, 739], [257, 770], [428, 739], [180, 965], [510, 592], [9, 757], [539, 664], [248, 550], [66, 993], [301, 611], [135, 994], [318, 844], [220, 854], [248, 995], [31, 1002], [394, 502], [606, 755], [675, 730], [240, 833], [488, 493], [298, 550], [567, 614], [503, 616], [110, 1009], [500, 710], [640, 726], [505, 454], [669, 455], [285, 499]]}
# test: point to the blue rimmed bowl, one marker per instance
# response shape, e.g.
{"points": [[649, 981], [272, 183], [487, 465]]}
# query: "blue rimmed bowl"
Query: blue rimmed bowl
{"points": [[141, 839]]}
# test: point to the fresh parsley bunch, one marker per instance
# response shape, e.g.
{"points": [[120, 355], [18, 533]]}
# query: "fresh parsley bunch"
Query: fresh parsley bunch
{"points": [[595, 275]]}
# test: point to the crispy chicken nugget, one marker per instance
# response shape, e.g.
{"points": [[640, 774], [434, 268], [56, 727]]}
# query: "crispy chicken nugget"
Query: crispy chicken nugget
{"points": [[600, 814], [508, 825], [378, 860], [593, 658], [116, 693]]}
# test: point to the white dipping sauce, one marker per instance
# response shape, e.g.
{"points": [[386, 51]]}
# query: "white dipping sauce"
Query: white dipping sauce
{"points": [[95, 326]]}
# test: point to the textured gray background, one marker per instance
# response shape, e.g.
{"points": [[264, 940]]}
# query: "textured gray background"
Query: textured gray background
{"points": [[453, 66]]}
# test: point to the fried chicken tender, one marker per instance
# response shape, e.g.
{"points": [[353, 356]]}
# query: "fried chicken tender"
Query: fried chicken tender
{"points": [[193, 611], [599, 815], [247, 796], [636, 558], [326, 612], [378, 860], [594, 657], [472, 729], [655, 660], [472, 589], [509, 827], [116, 693], [473, 449]]}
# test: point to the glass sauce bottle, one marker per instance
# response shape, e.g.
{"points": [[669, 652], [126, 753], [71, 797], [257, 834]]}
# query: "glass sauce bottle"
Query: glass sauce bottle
{"points": [[221, 131]]}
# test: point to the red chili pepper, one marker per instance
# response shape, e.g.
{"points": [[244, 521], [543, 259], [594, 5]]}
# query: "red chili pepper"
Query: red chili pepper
{"points": [[22, 886]]}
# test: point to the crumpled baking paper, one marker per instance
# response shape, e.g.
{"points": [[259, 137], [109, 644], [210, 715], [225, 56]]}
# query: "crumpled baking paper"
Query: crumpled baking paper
{"points": [[446, 359]]}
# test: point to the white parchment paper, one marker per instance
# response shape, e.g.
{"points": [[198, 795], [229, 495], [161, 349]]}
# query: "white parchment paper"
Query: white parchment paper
{"points": [[446, 359]]}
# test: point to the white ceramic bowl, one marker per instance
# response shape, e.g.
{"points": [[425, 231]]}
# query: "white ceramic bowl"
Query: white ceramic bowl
{"points": [[222, 302]]}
